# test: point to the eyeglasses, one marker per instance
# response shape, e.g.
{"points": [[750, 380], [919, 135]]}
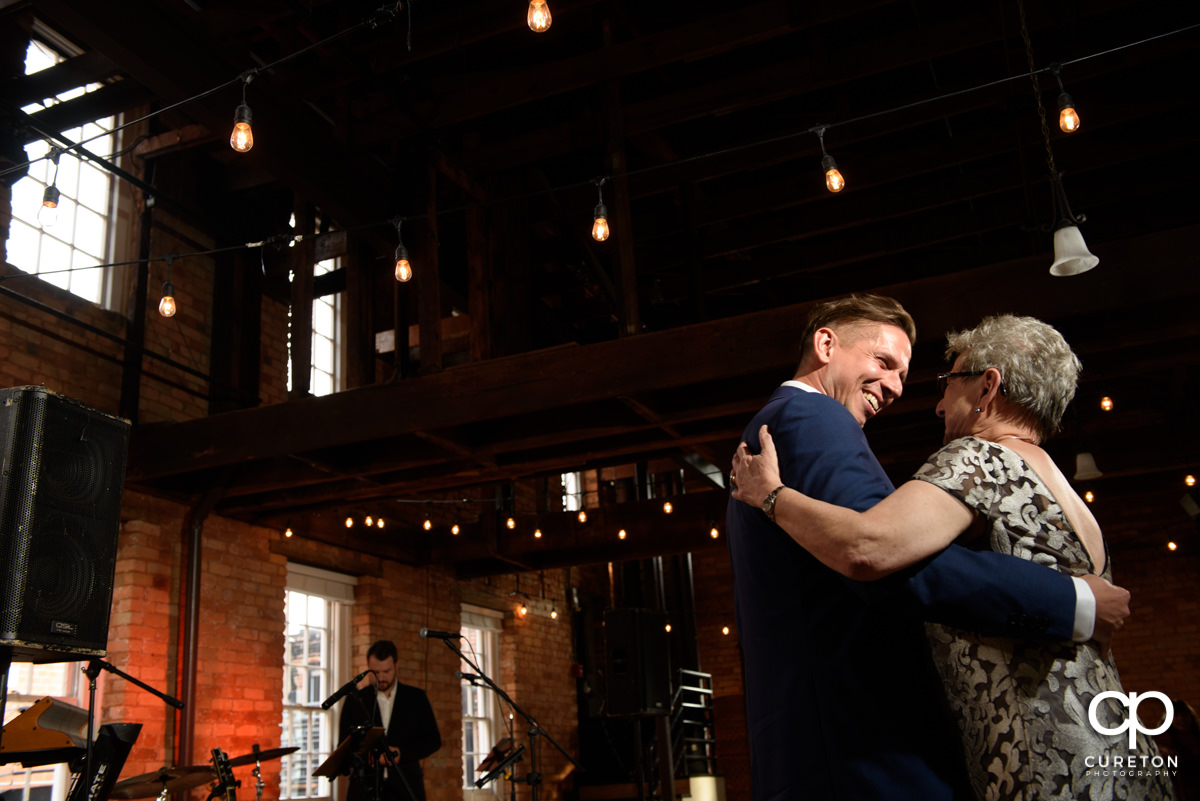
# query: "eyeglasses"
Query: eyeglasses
{"points": [[943, 379]]}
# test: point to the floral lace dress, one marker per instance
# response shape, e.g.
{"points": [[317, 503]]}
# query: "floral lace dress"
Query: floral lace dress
{"points": [[1022, 705]]}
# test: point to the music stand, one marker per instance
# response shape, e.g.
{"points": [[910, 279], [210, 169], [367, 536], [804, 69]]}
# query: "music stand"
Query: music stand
{"points": [[353, 744]]}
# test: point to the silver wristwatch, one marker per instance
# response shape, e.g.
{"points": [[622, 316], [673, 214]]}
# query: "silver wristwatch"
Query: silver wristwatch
{"points": [[768, 504]]}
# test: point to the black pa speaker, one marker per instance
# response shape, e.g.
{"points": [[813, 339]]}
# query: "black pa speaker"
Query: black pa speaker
{"points": [[637, 662], [62, 471]]}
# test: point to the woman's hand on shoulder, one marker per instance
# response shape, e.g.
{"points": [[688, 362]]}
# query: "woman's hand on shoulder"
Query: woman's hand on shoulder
{"points": [[753, 476]]}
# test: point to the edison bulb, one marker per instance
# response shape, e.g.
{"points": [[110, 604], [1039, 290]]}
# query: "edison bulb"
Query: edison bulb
{"points": [[48, 213], [1068, 120], [379, 523], [582, 516], [1189, 480], [834, 181], [1089, 496], [288, 532], [428, 524], [621, 534], [1171, 546], [668, 628], [455, 529], [714, 533], [404, 271], [349, 522], [166, 306], [510, 523], [523, 609], [539, 16], [242, 138], [725, 629], [554, 614], [370, 521], [1106, 403], [537, 533], [600, 229], [668, 508]]}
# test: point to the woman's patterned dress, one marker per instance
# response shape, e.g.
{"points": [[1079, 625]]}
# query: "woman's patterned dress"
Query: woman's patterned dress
{"points": [[1022, 705]]}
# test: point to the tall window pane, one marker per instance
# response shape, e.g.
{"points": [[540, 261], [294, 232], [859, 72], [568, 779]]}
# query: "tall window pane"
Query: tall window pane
{"points": [[65, 253]]}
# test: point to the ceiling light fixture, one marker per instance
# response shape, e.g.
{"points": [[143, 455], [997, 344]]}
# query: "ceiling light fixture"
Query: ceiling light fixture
{"points": [[242, 138], [1071, 256], [47, 215], [1068, 118], [600, 215], [834, 181], [404, 271], [166, 306]]}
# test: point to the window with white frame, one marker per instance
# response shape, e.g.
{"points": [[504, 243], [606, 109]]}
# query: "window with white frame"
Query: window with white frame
{"points": [[325, 377], [27, 684], [316, 659], [65, 253], [483, 720]]}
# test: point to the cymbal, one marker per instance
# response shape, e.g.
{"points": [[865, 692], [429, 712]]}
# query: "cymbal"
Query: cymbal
{"points": [[176, 780], [263, 756]]}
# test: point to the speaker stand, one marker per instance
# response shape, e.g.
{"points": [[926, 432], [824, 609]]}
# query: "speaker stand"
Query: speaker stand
{"points": [[5, 664]]}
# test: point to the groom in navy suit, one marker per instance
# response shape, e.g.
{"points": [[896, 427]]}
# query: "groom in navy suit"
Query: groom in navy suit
{"points": [[842, 700]]}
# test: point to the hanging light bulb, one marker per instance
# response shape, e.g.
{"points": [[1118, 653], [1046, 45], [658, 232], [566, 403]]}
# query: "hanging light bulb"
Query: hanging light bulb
{"points": [[725, 630], [47, 215], [1089, 496], [370, 521], [242, 138], [537, 533], [523, 609], [554, 613], [1068, 118], [668, 628], [834, 181], [621, 534], [510, 523], [600, 216], [166, 306], [48, 212], [1171, 546], [428, 524], [404, 271], [668, 508], [1189, 480], [582, 516], [455, 529], [349, 522], [379, 523], [538, 17], [714, 533], [287, 532], [1106, 403]]}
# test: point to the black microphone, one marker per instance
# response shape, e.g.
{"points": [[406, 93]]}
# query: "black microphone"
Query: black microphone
{"points": [[440, 635], [344, 690]]}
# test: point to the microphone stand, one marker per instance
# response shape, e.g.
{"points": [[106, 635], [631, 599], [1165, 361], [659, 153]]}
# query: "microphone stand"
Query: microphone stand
{"points": [[533, 778], [92, 670]]}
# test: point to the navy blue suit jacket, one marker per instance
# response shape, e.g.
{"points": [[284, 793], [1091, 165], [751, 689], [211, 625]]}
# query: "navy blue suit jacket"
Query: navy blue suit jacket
{"points": [[842, 701]]}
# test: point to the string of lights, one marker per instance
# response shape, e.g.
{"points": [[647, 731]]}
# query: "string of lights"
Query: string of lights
{"points": [[1069, 121]]}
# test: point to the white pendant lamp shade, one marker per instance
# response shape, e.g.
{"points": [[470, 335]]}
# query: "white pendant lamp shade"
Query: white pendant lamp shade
{"points": [[1071, 256], [1085, 467]]}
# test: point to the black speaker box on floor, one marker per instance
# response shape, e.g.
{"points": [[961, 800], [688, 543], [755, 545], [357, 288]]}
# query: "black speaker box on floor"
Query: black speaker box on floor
{"points": [[637, 662], [62, 471]]}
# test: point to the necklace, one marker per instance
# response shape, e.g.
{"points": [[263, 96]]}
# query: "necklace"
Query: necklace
{"points": [[1014, 436]]}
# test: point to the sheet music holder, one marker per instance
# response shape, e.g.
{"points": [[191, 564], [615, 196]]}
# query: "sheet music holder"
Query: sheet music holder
{"points": [[355, 743]]}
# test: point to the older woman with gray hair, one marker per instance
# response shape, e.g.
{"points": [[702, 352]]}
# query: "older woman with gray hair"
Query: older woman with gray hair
{"points": [[1031, 713]]}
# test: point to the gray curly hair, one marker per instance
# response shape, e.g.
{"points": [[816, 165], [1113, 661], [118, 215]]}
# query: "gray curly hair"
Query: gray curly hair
{"points": [[1039, 369]]}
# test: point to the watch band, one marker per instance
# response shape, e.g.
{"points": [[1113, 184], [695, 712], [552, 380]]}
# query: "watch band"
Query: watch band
{"points": [[768, 504]]}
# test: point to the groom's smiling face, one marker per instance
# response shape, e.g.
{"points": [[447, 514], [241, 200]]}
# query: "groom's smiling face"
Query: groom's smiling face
{"points": [[867, 366]]}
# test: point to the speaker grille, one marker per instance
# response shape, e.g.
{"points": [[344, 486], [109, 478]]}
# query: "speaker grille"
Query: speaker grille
{"points": [[60, 504]]}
